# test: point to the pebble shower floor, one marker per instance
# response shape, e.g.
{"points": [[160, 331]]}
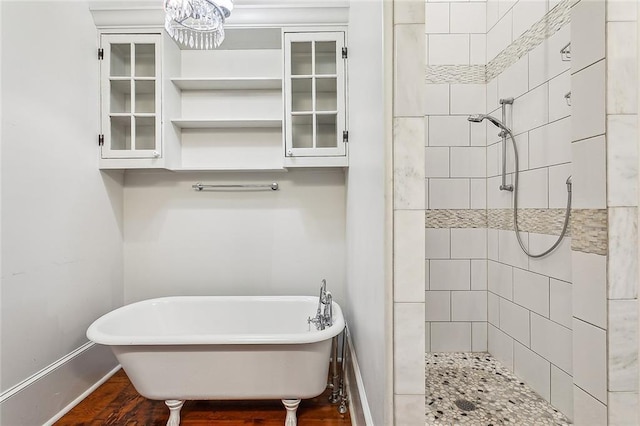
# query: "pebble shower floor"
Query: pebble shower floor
{"points": [[475, 389]]}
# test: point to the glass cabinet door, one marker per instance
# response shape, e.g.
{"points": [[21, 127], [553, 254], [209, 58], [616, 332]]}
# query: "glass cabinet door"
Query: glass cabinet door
{"points": [[130, 92], [315, 94]]}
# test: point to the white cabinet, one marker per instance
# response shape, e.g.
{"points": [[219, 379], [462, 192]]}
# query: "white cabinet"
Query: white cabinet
{"points": [[266, 99], [130, 96], [315, 104]]}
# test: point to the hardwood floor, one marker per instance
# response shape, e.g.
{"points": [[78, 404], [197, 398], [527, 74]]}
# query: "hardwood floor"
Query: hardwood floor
{"points": [[117, 403]]}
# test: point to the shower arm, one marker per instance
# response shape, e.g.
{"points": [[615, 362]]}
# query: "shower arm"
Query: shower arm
{"points": [[503, 133]]}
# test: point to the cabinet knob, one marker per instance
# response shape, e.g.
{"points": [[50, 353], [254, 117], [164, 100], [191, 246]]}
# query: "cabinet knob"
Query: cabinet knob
{"points": [[156, 154], [289, 153]]}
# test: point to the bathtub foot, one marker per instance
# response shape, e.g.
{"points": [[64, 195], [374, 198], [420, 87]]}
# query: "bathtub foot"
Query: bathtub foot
{"points": [[291, 405], [174, 411]]}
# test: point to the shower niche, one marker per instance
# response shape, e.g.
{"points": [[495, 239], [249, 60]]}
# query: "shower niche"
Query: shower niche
{"points": [[269, 98]]}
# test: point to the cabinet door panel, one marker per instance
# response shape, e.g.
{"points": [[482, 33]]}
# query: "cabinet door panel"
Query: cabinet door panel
{"points": [[315, 95], [130, 92]]}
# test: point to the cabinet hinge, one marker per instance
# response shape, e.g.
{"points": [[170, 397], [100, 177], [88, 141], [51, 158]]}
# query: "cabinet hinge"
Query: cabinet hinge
{"points": [[100, 140], [100, 54], [344, 53], [345, 136]]}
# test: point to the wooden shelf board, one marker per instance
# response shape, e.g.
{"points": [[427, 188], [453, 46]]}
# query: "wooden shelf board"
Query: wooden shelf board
{"points": [[227, 83], [231, 169], [216, 124]]}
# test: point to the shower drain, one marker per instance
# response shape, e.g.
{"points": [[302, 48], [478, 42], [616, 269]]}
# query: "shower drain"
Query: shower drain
{"points": [[465, 405]]}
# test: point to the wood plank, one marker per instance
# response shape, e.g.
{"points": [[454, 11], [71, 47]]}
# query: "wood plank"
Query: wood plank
{"points": [[117, 403]]}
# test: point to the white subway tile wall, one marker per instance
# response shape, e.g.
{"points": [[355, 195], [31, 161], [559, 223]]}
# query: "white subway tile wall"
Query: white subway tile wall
{"points": [[562, 391], [590, 359], [450, 275], [590, 288], [559, 106], [531, 291], [552, 341], [558, 176], [479, 336], [551, 144], [533, 368], [561, 301], [467, 98], [588, 101], [468, 306], [501, 346], [589, 171], [587, 34], [545, 62], [469, 244], [450, 337], [514, 320], [587, 410]]}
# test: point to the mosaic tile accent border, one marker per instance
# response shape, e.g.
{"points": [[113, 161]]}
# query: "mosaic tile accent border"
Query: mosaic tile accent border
{"points": [[466, 74], [538, 221], [548, 25], [455, 218], [588, 228], [590, 231]]}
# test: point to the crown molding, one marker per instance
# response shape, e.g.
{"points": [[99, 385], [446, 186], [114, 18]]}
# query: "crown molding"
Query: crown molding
{"points": [[147, 13]]}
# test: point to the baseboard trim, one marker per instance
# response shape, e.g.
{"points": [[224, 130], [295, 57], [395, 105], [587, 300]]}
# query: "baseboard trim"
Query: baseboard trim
{"points": [[45, 395], [44, 372], [358, 405], [82, 396]]}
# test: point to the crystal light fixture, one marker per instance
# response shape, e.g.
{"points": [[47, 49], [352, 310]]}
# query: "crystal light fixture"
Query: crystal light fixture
{"points": [[197, 23]]}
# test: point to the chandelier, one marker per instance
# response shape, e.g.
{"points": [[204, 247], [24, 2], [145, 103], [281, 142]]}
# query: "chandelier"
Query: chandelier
{"points": [[197, 23]]}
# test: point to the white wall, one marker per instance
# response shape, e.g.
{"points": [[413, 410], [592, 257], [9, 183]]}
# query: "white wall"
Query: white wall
{"points": [[366, 203], [178, 241], [61, 217]]}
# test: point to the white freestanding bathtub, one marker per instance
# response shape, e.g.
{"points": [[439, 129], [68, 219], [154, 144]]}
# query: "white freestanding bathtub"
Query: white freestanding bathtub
{"points": [[221, 347]]}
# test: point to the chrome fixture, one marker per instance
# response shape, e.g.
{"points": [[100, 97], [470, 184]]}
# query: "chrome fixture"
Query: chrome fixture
{"points": [[324, 313], [334, 384], [504, 132], [344, 399], [567, 97], [200, 186], [337, 383], [197, 23], [565, 52]]}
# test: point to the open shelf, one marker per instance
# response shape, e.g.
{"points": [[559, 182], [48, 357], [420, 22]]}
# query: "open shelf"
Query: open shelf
{"points": [[227, 83], [235, 169], [215, 124]]}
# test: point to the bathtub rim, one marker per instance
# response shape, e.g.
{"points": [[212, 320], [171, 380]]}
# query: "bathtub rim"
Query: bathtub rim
{"points": [[94, 333]]}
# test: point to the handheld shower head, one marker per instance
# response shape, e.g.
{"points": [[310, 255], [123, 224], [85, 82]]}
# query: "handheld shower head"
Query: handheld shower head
{"points": [[477, 118]]}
